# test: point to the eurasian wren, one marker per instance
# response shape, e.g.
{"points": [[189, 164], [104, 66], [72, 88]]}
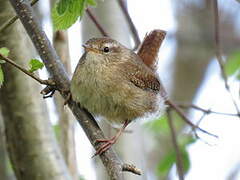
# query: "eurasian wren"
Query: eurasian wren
{"points": [[112, 81]]}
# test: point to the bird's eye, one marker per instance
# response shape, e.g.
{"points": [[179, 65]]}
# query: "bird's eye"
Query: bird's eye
{"points": [[106, 49]]}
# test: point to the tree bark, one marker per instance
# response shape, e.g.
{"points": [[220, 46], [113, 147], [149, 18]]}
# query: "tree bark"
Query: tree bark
{"points": [[30, 140], [66, 119], [3, 153], [6, 172]]}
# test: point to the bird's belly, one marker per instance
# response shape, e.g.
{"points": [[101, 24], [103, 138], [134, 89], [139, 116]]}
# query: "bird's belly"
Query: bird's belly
{"points": [[116, 102], [101, 104], [117, 106]]}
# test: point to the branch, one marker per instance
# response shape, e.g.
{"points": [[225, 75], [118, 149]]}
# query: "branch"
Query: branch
{"points": [[131, 24], [59, 75], [184, 117], [131, 168], [219, 53], [207, 111], [175, 145], [13, 19], [98, 25], [32, 75]]}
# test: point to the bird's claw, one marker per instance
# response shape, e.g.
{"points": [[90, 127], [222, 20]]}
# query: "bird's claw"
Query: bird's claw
{"points": [[107, 144]]}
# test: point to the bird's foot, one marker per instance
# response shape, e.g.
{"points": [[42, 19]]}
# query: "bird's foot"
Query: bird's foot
{"points": [[107, 144]]}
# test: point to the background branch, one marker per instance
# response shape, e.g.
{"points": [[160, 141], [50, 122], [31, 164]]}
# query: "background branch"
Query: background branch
{"points": [[175, 145], [219, 53], [136, 38], [207, 111], [184, 117], [98, 25], [13, 19]]}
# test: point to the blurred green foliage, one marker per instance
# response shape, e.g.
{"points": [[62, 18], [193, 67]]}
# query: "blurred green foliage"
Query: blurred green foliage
{"points": [[160, 126], [165, 165], [232, 66]]}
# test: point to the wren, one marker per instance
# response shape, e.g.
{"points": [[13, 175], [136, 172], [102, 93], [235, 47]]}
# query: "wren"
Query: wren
{"points": [[112, 81]]}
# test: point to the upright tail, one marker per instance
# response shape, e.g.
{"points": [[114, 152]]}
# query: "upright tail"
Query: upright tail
{"points": [[150, 46]]}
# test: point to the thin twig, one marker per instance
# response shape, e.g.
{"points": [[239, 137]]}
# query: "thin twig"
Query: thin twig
{"points": [[179, 162], [131, 24], [131, 168], [95, 21], [13, 19], [207, 111], [32, 75], [219, 53], [195, 133], [198, 123], [184, 117]]}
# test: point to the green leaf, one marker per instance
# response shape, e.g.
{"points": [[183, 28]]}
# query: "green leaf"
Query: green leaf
{"points": [[62, 6], [170, 159], [166, 163], [233, 64], [4, 51], [65, 20], [66, 12], [1, 76], [186, 140], [185, 159], [34, 65]]}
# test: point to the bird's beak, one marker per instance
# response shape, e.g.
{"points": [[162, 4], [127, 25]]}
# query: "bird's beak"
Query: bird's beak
{"points": [[88, 48]]}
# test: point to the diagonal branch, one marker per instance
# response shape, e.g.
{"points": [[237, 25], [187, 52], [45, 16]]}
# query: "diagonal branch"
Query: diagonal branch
{"points": [[184, 117], [95, 21], [32, 75], [131, 24], [13, 19], [59, 75], [175, 145], [219, 53]]}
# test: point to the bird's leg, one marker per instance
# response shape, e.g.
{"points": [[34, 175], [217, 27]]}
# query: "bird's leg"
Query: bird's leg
{"points": [[110, 142]]}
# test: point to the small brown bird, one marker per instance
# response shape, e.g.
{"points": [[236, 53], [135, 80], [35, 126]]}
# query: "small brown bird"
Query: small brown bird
{"points": [[112, 81]]}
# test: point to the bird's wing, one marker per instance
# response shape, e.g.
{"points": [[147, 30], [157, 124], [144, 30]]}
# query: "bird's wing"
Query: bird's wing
{"points": [[141, 76]]}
